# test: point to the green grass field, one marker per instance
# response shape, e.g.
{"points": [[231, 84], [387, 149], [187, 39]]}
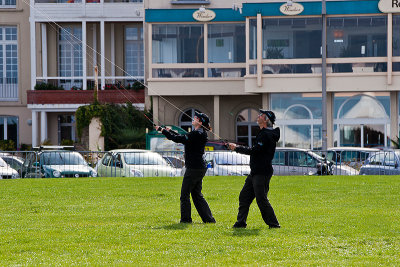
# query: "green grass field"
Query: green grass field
{"points": [[332, 220]]}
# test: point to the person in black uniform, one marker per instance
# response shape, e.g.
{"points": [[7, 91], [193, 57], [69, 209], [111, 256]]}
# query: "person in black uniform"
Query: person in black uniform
{"points": [[196, 168], [257, 183]]}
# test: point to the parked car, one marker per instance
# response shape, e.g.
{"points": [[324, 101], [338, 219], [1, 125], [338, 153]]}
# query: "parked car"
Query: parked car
{"points": [[297, 161], [56, 164], [227, 163], [350, 156], [6, 172], [135, 163], [174, 161], [382, 163], [13, 161]]}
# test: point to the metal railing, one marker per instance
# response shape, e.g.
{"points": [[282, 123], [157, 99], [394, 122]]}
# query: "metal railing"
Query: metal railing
{"points": [[142, 163]]}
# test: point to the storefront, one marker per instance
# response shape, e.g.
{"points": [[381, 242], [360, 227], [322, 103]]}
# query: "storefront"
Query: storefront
{"points": [[228, 62]]}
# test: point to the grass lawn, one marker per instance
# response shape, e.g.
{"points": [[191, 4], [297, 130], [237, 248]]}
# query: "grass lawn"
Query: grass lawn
{"points": [[332, 220]]}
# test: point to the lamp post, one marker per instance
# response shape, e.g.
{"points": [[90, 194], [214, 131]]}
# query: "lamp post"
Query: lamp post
{"points": [[324, 96]]}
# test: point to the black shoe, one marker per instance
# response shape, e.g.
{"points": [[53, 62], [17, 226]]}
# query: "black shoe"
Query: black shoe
{"points": [[186, 221], [239, 225], [274, 226]]}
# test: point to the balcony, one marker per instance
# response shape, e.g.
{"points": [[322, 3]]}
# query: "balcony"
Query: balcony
{"points": [[67, 10], [84, 96]]}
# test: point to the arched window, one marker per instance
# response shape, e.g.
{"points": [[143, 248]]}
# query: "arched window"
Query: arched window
{"points": [[298, 127], [185, 120], [246, 126], [362, 120]]}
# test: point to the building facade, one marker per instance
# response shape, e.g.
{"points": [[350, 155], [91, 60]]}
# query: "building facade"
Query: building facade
{"points": [[48, 53], [14, 71], [230, 60]]}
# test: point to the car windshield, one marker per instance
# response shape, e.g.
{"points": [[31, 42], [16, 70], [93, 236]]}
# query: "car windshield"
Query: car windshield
{"points": [[231, 159], [2, 163], [139, 158], [62, 158], [316, 156]]}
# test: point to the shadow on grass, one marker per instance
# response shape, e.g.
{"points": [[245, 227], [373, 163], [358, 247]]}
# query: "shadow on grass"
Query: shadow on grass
{"points": [[245, 232], [175, 226]]}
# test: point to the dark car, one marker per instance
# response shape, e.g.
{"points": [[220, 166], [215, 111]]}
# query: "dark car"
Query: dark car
{"points": [[56, 164]]}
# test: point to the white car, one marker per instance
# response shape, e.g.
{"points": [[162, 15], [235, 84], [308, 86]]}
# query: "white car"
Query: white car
{"points": [[135, 163], [227, 163], [6, 172]]}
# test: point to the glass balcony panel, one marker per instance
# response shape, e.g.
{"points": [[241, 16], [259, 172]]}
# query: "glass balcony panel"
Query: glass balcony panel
{"points": [[226, 72], [178, 73]]}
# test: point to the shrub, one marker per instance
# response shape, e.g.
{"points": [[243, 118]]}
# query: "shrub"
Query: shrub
{"points": [[47, 86], [7, 145]]}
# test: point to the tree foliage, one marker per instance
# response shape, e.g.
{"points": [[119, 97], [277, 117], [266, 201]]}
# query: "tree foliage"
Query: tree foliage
{"points": [[123, 126]]}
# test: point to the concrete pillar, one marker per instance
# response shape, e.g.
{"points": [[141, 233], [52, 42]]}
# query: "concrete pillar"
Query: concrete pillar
{"points": [[102, 53], [113, 51], [265, 101], [33, 46], [84, 56], [96, 141], [216, 116], [94, 46], [43, 126], [155, 109], [34, 128], [44, 50], [394, 116]]}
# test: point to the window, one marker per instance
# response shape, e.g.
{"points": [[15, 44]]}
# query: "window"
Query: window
{"points": [[8, 3], [8, 63], [247, 127], [178, 43], [134, 55], [357, 36], [9, 128], [226, 43], [70, 56], [279, 158], [291, 38], [361, 120], [299, 116], [66, 128]]}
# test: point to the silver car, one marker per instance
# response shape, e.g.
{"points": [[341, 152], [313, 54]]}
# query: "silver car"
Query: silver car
{"points": [[382, 163], [297, 161]]}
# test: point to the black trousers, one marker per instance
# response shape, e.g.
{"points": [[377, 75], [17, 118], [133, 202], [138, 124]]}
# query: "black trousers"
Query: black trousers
{"points": [[256, 186], [192, 184]]}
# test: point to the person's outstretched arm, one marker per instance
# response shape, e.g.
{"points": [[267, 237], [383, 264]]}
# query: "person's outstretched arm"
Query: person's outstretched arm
{"points": [[172, 135]]}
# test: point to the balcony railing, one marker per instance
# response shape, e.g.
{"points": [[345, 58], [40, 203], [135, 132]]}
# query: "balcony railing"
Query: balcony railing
{"points": [[8, 91]]}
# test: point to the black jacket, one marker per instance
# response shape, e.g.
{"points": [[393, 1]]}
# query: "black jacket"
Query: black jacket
{"points": [[262, 153], [195, 143]]}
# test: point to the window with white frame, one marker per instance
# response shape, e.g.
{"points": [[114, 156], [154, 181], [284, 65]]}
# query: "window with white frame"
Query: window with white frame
{"points": [[70, 56], [8, 3], [8, 63], [134, 51]]}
